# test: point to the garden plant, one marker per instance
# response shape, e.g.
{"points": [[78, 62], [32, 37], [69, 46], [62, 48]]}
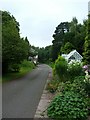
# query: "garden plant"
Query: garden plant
{"points": [[72, 100]]}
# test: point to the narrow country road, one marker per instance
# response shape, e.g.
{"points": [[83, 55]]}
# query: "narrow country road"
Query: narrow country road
{"points": [[20, 97]]}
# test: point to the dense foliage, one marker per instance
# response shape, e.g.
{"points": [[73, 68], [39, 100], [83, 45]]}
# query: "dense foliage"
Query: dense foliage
{"points": [[72, 92], [27, 64], [87, 44], [67, 71], [14, 48], [71, 100], [44, 54], [67, 48], [68, 36], [61, 66], [24, 68], [77, 86], [74, 70], [68, 106], [52, 85]]}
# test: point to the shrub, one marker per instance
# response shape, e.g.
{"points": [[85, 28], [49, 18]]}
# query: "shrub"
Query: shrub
{"points": [[87, 84], [51, 64], [27, 64], [87, 68], [87, 88], [75, 69], [52, 86], [14, 67], [68, 106], [78, 86], [24, 64], [61, 68]]}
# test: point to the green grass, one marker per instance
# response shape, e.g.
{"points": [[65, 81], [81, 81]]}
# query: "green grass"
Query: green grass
{"points": [[15, 75], [26, 67]]}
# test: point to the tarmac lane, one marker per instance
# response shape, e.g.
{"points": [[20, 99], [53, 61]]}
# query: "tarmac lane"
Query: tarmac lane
{"points": [[20, 97]]}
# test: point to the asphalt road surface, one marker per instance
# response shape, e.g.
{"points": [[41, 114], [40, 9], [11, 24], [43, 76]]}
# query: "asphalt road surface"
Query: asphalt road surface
{"points": [[20, 97]]}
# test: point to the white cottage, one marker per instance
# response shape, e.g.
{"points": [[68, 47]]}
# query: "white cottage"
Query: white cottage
{"points": [[73, 56], [34, 59]]}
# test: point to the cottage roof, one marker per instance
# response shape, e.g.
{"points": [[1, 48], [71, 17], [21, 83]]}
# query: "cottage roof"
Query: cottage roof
{"points": [[75, 54]]}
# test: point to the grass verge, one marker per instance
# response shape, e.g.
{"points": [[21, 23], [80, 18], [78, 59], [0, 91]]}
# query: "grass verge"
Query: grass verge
{"points": [[26, 67]]}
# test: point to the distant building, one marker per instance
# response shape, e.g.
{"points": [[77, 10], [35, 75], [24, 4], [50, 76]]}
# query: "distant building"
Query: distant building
{"points": [[34, 59], [73, 56]]}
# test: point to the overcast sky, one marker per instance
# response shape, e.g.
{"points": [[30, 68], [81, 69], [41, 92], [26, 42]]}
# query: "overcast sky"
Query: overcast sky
{"points": [[39, 18]]}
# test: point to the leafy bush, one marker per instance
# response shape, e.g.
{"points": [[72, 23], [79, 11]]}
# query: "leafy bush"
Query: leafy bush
{"points": [[87, 68], [61, 68], [87, 84], [52, 85], [14, 67], [78, 86], [24, 64], [25, 67], [27, 64], [75, 69], [87, 79], [52, 64], [68, 106], [87, 88]]}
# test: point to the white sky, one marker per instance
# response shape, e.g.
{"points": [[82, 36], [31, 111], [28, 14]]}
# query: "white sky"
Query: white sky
{"points": [[39, 18]]}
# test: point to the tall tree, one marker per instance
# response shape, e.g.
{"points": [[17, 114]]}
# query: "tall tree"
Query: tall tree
{"points": [[78, 38], [10, 38], [68, 47], [44, 54], [14, 49], [87, 44], [58, 36], [68, 32]]}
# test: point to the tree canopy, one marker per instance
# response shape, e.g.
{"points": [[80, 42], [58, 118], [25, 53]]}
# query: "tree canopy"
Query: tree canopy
{"points": [[68, 36], [87, 44], [14, 48]]}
